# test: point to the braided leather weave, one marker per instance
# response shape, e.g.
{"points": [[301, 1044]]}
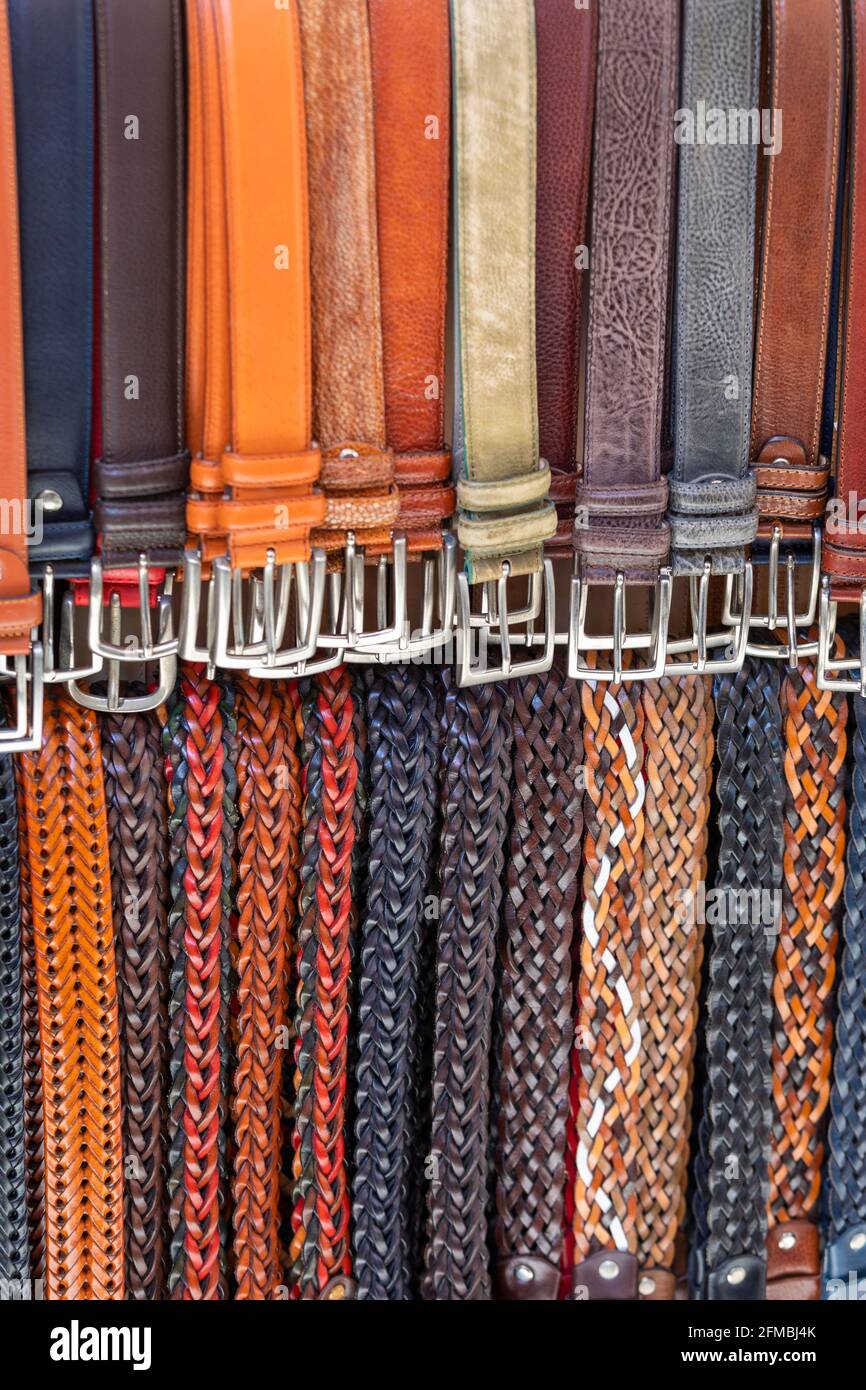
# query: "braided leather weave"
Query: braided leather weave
{"points": [[403, 748], [137, 822], [476, 768], [70, 886], [805, 968], [536, 993], [679, 752], [14, 1234], [846, 1168], [198, 740], [291, 868], [34, 1148], [321, 1261], [267, 840], [731, 1210], [605, 1206]]}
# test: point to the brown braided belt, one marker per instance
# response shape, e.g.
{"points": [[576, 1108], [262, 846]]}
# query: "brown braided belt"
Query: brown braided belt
{"points": [[815, 739], [70, 902], [135, 791]]}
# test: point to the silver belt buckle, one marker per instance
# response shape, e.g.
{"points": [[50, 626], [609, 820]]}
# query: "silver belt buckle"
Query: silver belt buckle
{"points": [[163, 651], [620, 640], [494, 624], [731, 638], [26, 671], [832, 671], [438, 607], [790, 621]]}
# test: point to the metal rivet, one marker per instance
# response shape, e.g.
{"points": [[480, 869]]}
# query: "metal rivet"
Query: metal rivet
{"points": [[338, 1291], [736, 1275], [787, 1241], [523, 1274], [857, 1242], [608, 1269], [50, 500], [646, 1286], [349, 454]]}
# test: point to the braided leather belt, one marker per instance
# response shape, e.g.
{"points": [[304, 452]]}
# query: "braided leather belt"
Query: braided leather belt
{"points": [[70, 899], [14, 1233], [199, 744]]}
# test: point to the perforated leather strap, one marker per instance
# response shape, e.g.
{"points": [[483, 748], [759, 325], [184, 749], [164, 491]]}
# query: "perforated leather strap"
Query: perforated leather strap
{"points": [[254, 469], [70, 895], [712, 488], [140, 475], [844, 552], [411, 60], [349, 395], [565, 38], [502, 489], [621, 498], [52, 54], [798, 234]]}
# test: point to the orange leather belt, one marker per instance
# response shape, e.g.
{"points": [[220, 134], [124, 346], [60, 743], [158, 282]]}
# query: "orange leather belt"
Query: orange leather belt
{"points": [[254, 468]]}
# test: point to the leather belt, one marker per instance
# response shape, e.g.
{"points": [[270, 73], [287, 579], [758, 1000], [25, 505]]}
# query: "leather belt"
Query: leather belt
{"points": [[70, 898], [52, 53], [198, 741], [34, 1149], [140, 464], [14, 1232], [266, 901], [843, 559], [621, 496], [135, 791], [411, 100], [248, 331], [402, 718], [474, 792], [536, 989], [504, 514], [844, 1260], [321, 1259], [535, 996], [799, 226]]}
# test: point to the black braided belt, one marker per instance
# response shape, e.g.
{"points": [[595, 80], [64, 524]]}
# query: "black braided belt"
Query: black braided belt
{"points": [[845, 1255], [475, 795], [732, 1171], [535, 1022], [14, 1253], [403, 750]]}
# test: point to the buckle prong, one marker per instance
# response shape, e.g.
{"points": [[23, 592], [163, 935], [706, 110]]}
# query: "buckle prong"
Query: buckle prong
{"points": [[620, 639]]}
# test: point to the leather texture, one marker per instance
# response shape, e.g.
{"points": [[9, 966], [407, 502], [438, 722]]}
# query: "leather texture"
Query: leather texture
{"points": [[844, 552], [474, 795], [621, 498], [712, 511], [34, 1147], [496, 433], [19, 609], [799, 222], [14, 1233], [411, 68], [565, 43], [403, 736], [199, 746], [140, 477], [135, 793], [249, 388], [69, 884], [320, 1252], [53, 75], [348, 380], [535, 996], [794, 1263]]}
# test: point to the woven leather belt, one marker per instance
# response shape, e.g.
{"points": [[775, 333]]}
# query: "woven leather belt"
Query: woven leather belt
{"points": [[621, 537], [199, 744], [799, 231], [402, 718], [14, 1233], [476, 768], [504, 514], [70, 899], [535, 1002], [321, 1259]]}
